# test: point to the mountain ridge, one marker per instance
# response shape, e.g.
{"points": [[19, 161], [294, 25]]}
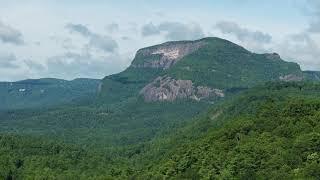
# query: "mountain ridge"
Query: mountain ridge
{"points": [[212, 63], [46, 92]]}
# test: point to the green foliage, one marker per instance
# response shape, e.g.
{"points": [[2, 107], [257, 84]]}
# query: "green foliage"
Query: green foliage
{"points": [[271, 133], [268, 132], [127, 84], [34, 158], [115, 125], [222, 64]]}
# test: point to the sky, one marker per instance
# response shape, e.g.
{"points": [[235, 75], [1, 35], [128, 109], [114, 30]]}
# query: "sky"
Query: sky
{"points": [[95, 38]]}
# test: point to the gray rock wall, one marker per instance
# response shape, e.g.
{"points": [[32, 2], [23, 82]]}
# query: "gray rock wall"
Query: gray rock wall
{"points": [[169, 89], [170, 53]]}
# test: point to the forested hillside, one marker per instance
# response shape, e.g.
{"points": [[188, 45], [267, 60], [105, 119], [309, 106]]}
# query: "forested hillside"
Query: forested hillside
{"points": [[105, 126], [269, 132]]}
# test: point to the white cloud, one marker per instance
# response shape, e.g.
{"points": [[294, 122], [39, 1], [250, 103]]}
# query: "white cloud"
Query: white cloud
{"points": [[243, 34], [10, 35], [102, 42], [174, 30], [71, 65], [150, 29], [8, 61], [113, 27]]}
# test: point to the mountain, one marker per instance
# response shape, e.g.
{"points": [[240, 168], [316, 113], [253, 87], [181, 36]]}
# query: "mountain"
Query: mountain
{"points": [[165, 86], [206, 69], [37, 93], [202, 69]]}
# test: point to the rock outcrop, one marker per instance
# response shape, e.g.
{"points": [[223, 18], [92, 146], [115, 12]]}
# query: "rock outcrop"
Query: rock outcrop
{"points": [[169, 89], [273, 56], [290, 78], [165, 55]]}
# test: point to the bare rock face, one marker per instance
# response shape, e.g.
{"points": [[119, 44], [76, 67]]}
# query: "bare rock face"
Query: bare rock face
{"points": [[169, 89], [205, 92], [273, 56], [168, 54], [291, 77]]}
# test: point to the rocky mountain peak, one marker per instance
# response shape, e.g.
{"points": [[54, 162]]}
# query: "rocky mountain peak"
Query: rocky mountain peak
{"points": [[206, 69], [165, 55]]}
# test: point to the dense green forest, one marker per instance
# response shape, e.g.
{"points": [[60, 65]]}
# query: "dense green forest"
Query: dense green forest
{"points": [[268, 132], [271, 132], [114, 125]]}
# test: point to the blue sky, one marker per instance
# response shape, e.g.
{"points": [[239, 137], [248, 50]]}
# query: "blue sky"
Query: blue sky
{"points": [[71, 39]]}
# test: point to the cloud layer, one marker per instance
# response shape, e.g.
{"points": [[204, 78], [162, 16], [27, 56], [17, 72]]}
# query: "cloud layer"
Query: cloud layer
{"points": [[242, 34], [8, 61], [174, 30], [100, 42], [314, 11], [10, 35], [81, 65]]}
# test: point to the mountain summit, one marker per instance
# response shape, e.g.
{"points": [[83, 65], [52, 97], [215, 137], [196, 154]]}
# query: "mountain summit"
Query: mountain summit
{"points": [[201, 69]]}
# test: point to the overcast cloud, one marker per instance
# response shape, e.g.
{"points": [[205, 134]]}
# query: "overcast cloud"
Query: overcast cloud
{"points": [[81, 65], [8, 61], [241, 33], [98, 41], [71, 39], [314, 11], [174, 30], [10, 35]]}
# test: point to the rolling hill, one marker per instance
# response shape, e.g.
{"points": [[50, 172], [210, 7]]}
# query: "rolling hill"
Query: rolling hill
{"points": [[36, 93]]}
